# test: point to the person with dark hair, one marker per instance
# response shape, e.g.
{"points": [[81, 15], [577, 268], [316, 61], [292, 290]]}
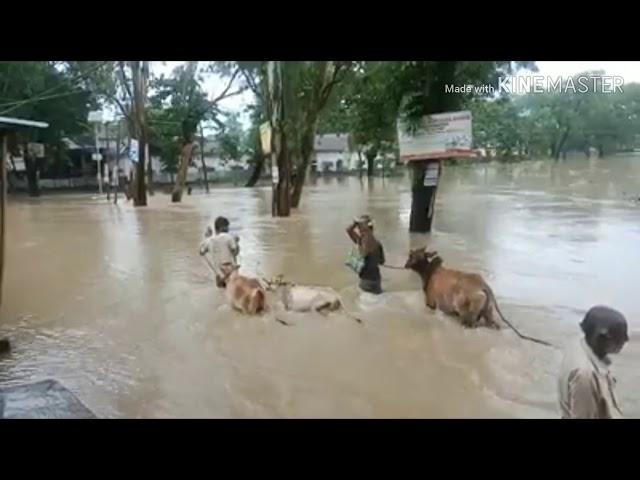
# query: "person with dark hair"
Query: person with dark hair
{"points": [[586, 387], [370, 254], [223, 248]]}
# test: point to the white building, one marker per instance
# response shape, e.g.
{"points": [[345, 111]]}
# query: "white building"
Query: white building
{"points": [[331, 153], [214, 164]]}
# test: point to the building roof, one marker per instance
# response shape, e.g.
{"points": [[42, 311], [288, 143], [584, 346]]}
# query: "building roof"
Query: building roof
{"points": [[331, 142], [19, 122]]}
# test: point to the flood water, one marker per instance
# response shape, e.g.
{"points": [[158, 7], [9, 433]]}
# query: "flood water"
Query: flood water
{"points": [[116, 304]]}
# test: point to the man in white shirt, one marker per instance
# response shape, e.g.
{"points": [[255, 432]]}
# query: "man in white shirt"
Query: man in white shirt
{"points": [[585, 385], [223, 248]]}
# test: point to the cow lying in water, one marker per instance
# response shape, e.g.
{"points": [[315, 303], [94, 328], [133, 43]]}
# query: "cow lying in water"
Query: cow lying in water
{"points": [[244, 293], [462, 294], [302, 298]]}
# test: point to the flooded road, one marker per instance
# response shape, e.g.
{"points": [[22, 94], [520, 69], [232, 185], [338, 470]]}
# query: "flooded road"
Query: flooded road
{"points": [[116, 304]]}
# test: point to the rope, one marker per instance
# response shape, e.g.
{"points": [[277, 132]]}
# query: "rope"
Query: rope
{"points": [[393, 267]]}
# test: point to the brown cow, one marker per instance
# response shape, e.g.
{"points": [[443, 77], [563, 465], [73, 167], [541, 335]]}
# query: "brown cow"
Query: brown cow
{"points": [[244, 293], [462, 294]]}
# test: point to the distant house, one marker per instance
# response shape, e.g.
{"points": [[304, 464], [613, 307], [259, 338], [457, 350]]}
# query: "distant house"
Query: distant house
{"points": [[212, 159], [81, 170], [331, 153]]}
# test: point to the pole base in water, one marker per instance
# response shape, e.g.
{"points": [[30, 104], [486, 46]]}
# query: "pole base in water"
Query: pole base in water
{"points": [[5, 346], [422, 209]]}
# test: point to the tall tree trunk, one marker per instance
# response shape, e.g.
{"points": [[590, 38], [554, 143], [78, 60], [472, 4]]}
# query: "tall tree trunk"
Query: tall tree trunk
{"points": [[106, 161], [139, 77], [279, 153], [3, 192], [423, 200], [181, 177], [31, 167], [258, 167], [204, 165], [360, 164], [149, 170], [439, 100], [283, 188], [371, 157], [306, 150], [139, 188], [117, 167], [559, 146]]}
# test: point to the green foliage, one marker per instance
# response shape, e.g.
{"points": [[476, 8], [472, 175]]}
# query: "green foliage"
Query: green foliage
{"points": [[45, 91], [365, 108], [375, 94], [180, 101], [552, 122], [179, 105], [230, 139]]}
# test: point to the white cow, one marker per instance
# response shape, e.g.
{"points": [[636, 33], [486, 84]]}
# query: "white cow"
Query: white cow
{"points": [[305, 298]]}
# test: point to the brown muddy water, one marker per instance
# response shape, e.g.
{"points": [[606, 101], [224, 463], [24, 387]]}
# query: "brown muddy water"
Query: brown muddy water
{"points": [[115, 303]]}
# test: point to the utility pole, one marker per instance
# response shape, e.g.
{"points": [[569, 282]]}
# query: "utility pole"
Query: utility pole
{"points": [[116, 180], [98, 159], [204, 165], [96, 119], [106, 149]]}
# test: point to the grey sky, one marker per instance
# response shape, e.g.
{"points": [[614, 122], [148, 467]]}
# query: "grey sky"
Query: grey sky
{"points": [[630, 71]]}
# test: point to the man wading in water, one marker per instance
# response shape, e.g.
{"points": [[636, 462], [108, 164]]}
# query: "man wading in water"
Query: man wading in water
{"points": [[371, 251], [585, 384], [223, 248]]}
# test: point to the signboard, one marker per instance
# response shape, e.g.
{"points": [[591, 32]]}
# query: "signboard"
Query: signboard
{"points": [[275, 174], [265, 138], [95, 117], [96, 157], [431, 174], [36, 150], [133, 151], [439, 136]]}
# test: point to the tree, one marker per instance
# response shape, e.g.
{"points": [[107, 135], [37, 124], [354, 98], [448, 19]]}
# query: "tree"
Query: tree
{"points": [[500, 124], [254, 75], [184, 103], [43, 91], [164, 141], [230, 139], [253, 143], [123, 85], [363, 108], [306, 89], [554, 122], [309, 88], [277, 88]]}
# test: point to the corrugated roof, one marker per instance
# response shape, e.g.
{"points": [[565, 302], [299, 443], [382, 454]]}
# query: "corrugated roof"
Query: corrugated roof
{"points": [[19, 122]]}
